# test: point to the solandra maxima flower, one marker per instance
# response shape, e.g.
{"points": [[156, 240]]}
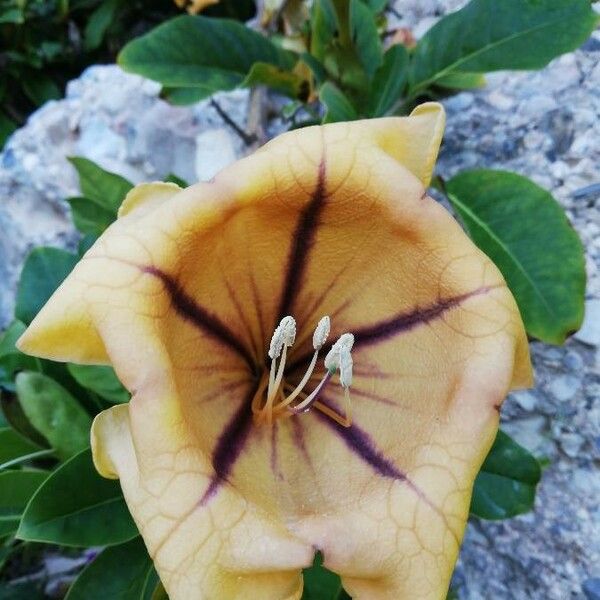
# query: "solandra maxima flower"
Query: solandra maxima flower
{"points": [[316, 355]]}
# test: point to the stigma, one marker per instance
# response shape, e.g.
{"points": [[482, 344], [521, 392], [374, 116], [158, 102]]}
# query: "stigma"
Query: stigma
{"points": [[276, 398]]}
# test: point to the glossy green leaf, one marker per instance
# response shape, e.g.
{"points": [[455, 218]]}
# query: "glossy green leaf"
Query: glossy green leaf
{"points": [[338, 106], [487, 35], [123, 572], [322, 584], [461, 81], [181, 96], [99, 22], [16, 488], [104, 188], [77, 507], [365, 37], [100, 380], [52, 410], [17, 419], [44, 270], [323, 21], [389, 82], [89, 217], [13, 446], [12, 359], [526, 233], [209, 54], [506, 484], [171, 177], [280, 80]]}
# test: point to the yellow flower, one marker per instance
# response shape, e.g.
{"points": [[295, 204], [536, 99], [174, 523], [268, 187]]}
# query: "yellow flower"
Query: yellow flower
{"points": [[211, 302]]}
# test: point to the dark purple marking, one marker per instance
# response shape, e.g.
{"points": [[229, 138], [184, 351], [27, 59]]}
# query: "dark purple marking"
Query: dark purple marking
{"points": [[230, 444], [191, 311], [359, 442], [383, 330], [303, 239]]}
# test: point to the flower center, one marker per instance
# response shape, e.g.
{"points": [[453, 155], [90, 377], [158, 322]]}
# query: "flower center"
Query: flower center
{"points": [[275, 398]]}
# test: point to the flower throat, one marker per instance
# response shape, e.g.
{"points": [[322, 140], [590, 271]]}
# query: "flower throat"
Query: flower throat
{"points": [[275, 398]]}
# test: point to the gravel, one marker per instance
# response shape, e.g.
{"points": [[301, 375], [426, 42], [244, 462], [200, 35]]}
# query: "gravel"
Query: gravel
{"points": [[545, 125]]}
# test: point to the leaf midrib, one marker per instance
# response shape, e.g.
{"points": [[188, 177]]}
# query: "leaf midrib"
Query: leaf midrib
{"points": [[500, 243], [483, 49]]}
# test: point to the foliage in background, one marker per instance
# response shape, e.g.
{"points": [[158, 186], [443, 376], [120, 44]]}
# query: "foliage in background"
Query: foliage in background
{"points": [[334, 62], [45, 43]]}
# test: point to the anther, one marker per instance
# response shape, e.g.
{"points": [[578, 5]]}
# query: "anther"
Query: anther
{"points": [[344, 344], [321, 333]]}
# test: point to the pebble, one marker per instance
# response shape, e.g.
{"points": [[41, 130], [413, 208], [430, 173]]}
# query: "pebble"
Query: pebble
{"points": [[564, 387], [590, 331], [526, 400], [591, 588]]}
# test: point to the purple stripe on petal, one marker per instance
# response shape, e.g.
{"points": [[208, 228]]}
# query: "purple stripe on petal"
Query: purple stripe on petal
{"points": [[191, 311], [360, 443], [230, 445], [303, 239], [388, 328]]}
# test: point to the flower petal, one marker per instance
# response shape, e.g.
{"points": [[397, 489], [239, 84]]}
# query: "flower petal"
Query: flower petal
{"points": [[184, 295]]}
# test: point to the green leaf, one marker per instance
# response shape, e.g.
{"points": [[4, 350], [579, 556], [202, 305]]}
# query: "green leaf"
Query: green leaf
{"points": [[106, 189], [89, 217], [487, 35], [27, 590], [12, 15], [365, 36], [17, 419], [13, 446], [100, 380], [506, 484], [461, 81], [321, 584], [280, 80], [7, 127], [99, 22], [77, 507], [209, 54], [40, 88], [44, 270], [389, 81], [11, 358], [120, 572], [526, 233], [16, 488], [324, 24], [377, 6], [337, 104], [54, 413], [172, 178], [181, 96]]}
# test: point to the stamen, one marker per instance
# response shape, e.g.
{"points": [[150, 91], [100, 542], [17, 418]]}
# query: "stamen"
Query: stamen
{"points": [[321, 332], [319, 338], [283, 337], [343, 344]]}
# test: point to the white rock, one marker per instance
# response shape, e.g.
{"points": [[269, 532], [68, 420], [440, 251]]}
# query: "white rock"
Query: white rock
{"points": [[525, 399], [214, 151], [590, 330]]}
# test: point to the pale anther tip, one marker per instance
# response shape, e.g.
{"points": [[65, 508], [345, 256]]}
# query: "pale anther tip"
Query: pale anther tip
{"points": [[321, 332], [343, 345]]}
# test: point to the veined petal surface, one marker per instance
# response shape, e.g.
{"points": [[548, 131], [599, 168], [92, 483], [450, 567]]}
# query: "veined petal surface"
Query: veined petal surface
{"points": [[182, 295]]}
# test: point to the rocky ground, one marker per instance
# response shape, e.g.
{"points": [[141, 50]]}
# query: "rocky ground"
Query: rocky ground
{"points": [[545, 125]]}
